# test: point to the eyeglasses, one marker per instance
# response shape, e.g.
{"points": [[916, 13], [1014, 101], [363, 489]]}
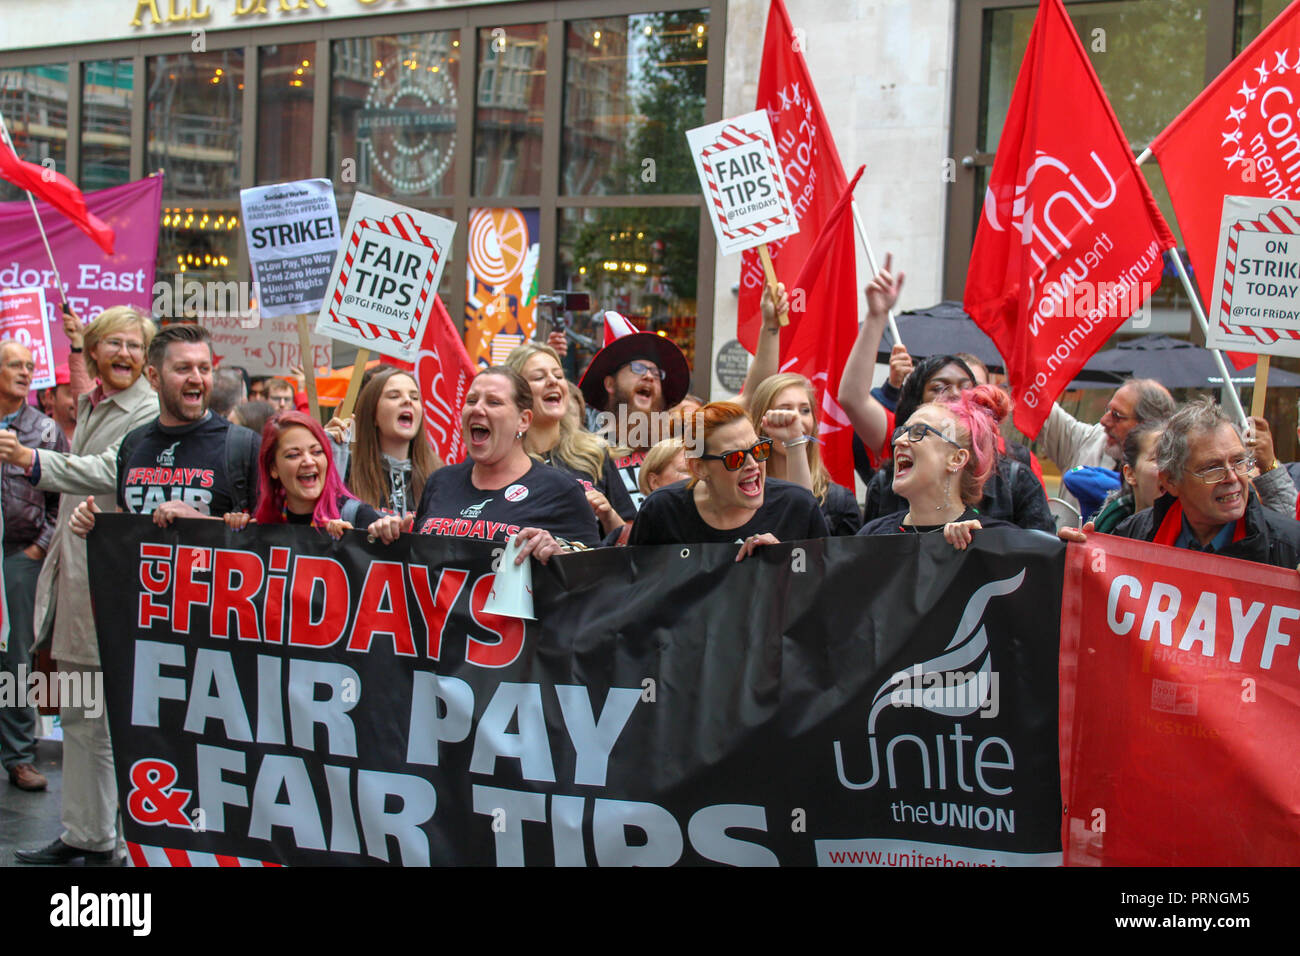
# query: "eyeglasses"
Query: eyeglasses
{"points": [[645, 368], [1212, 476], [1118, 416], [938, 388], [917, 432], [761, 450], [118, 345]]}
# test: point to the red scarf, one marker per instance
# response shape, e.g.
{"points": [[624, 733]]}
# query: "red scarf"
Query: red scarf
{"points": [[1172, 526]]}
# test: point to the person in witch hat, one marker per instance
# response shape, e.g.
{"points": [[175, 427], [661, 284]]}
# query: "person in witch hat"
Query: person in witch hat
{"points": [[632, 380]]}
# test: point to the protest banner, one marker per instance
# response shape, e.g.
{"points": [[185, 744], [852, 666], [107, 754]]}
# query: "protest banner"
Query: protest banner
{"points": [[292, 230], [1179, 708], [749, 204], [23, 318], [92, 280], [1070, 242], [278, 697], [264, 346]]}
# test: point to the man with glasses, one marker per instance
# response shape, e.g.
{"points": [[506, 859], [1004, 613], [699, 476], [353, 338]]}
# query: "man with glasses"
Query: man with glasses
{"points": [[633, 379], [30, 517], [280, 394], [1211, 505]]}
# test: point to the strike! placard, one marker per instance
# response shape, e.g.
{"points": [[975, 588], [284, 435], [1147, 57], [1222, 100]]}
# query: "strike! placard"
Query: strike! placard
{"points": [[1256, 304], [292, 231], [741, 176], [386, 273]]}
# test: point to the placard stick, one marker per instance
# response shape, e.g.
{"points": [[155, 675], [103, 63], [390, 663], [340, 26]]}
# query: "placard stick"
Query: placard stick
{"points": [[871, 264], [770, 272], [1261, 384], [354, 385], [308, 366]]}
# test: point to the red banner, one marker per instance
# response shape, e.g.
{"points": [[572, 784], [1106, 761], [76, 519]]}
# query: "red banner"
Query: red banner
{"points": [[1071, 242], [443, 372], [824, 324], [1179, 708]]}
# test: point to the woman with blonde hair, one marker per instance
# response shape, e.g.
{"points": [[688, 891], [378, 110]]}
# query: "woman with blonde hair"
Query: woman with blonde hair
{"points": [[783, 407], [557, 440]]}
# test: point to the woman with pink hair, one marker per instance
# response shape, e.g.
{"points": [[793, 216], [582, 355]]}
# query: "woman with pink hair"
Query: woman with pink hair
{"points": [[942, 458], [298, 483]]}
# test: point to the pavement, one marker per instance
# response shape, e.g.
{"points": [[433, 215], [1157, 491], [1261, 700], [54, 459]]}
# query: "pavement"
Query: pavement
{"points": [[31, 819]]}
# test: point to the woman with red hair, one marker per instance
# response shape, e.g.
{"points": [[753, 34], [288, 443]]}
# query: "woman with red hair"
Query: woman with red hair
{"points": [[729, 497], [298, 483], [942, 458]]}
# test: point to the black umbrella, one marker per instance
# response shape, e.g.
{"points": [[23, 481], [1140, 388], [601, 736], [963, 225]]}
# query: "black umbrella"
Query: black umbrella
{"points": [[946, 329], [1174, 364]]}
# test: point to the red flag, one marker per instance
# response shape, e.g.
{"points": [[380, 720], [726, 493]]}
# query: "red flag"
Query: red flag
{"points": [[1179, 700], [443, 372], [817, 348], [1071, 241], [1238, 138], [57, 190]]}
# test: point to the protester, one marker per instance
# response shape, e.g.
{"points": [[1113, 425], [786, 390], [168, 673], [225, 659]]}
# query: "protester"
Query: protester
{"points": [[30, 517], [59, 401], [228, 391], [870, 419], [299, 483], [951, 440], [729, 497], [554, 438], [665, 464], [188, 462], [1140, 478], [1208, 506], [252, 415], [634, 378], [1277, 490], [257, 388], [280, 394], [501, 492], [792, 397], [115, 345], [392, 458]]}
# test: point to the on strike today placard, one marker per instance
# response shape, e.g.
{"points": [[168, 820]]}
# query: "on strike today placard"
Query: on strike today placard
{"points": [[380, 295], [23, 319], [1256, 304], [736, 161], [292, 231]]}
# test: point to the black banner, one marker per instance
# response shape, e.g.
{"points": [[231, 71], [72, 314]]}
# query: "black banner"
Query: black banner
{"points": [[278, 697]]}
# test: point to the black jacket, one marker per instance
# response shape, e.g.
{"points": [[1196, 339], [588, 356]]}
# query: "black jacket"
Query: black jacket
{"points": [[1270, 538], [1012, 493]]}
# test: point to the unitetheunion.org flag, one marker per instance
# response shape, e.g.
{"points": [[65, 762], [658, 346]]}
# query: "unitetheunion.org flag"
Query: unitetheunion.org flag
{"points": [[1071, 242]]}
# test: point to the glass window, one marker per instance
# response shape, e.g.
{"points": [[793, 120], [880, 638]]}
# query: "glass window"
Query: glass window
{"points": [[195, 122], [286, 81], [632, 87], [107, 91], [198, 243], [1253, 16], [34, 101], [642, 263], [509, 107], [393, 114]]}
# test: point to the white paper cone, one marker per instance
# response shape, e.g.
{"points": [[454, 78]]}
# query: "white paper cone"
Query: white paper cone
{"points": [[512, 588]]}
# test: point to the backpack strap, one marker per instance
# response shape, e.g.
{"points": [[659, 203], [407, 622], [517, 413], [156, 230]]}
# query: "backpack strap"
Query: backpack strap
{"points": [[241, 458], [350, 509]]}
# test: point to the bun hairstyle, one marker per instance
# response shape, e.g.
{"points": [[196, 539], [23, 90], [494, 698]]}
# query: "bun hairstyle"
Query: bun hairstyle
{"points": [[978, 412]]}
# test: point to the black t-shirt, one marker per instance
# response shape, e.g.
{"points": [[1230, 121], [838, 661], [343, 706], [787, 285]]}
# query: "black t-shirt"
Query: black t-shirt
{"points": [[628, 468], [610, 484], [363, 517], [893, 524], [543, 498], [187, 463], [840, 509], [669, 516]]}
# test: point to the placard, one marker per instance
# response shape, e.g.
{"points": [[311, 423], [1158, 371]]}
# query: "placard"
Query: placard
{"points": [[269, 347], [292, 230], [380, 295], [23, 319], [740, 174], [1256, 304]]}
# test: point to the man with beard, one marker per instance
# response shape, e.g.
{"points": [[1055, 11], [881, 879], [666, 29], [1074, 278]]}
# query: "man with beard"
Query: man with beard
{"points": [[632, 380]]}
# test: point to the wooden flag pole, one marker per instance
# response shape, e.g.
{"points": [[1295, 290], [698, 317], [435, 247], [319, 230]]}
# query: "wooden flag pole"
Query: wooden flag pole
{"points": [[354, 386], [308, 366], [1261, 385], [770, 272]]}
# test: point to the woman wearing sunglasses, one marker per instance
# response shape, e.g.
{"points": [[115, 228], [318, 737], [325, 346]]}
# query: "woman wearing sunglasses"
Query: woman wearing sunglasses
{"points": [[729, 497], [942, 458]]}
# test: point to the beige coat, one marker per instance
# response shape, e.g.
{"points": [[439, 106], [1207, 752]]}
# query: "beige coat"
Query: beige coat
{"points": [[63, 590]]}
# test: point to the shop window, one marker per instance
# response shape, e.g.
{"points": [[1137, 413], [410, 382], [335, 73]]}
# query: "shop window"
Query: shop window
{"points": [[195, 123], [34, 101], [632, 86], [393, 115], [285, 86], [107, 98], [509, 107]]}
